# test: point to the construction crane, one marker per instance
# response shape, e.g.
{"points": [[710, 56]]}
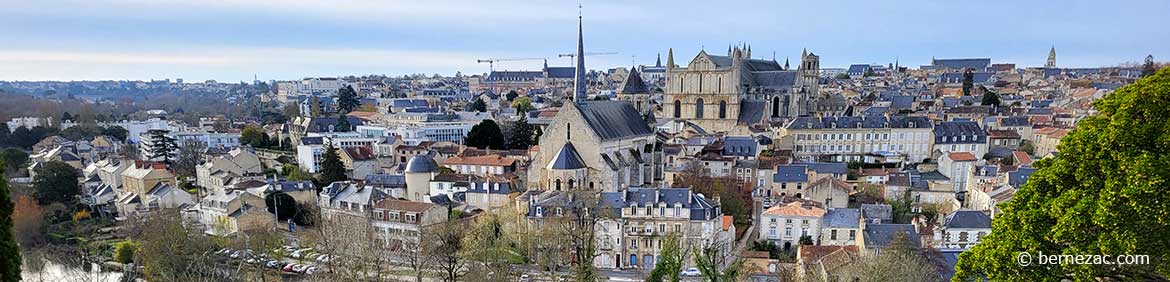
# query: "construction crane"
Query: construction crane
{"points": [[492, 66], [587, 54], [492, 61]]}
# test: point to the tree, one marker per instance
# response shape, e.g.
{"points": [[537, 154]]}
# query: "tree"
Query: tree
{"points": [[4, 132], [162, 145], [521, 134], [523, 105], [773, 250], [343, 124], [347, 99], [281, 204], [117, 132], [485, 135], [898, 261], [842, 76], [1027, 147], [968, 81], [190, 155], [9, 251], [448, 247], [124, 251], [253, 136], [28, 220], [170, 248], [868, 72], [717, 263], [670, 261], [66, 117], [332, 170], [55, 182], [536, 133], [1148, 67], [1103, 195], [14, 158], [291, 111], [511, 96], [990, 99], [22, 137], [314, 106], [477, 105]]}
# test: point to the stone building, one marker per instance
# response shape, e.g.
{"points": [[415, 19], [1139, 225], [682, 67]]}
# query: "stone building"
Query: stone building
{"points": [[599, 145], [729, 93]]}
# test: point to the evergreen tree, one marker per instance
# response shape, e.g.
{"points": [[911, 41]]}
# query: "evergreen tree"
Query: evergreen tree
{"points": [[332, 170], [314, 106], [968, 81], [990, 98], [521, 134], [478, 105], [1148, 67], [537, 133], [1104, 194], [9, 251], [4, 131], [162, 146], [117, 132], [347, 99], [868, 72], [512, 95], [55, 182], [343, 124], [485, 135]]}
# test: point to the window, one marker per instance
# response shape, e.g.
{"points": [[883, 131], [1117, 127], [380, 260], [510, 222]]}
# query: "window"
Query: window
{"points": [[852, 235], [699, 108], [787, 231], [411, 218], [833, 234], [677, 109], [677, 211], [722, 109], [678, 228]]}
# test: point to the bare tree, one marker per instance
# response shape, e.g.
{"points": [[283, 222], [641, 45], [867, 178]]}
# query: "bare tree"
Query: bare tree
{"points": [[446, 244]]}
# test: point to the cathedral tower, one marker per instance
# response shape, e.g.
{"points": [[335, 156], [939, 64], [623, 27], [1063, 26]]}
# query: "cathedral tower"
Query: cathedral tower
{"points": [[1051, 58]]}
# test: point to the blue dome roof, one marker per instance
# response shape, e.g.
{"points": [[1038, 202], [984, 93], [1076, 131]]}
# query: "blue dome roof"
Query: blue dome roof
{"points": [[422, 163]]}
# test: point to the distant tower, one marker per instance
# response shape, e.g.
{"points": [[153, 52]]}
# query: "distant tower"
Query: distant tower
{"points": [[1051, 58], [809, 82], [658, 63], [579, 78]]}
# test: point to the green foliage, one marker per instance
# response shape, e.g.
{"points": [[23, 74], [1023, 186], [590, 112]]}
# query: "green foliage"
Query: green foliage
{"points": [[56, 182], [295, 173], [1028, 147], [841, 76], [1104, 194], [523, 105], [990, 99], [332, 170], [485, 135], [806, 240], [315, 106], [25, 138], [670, 261], [477, 105], [117, 132], [968, 81], [9, 252], [253, 136], [281, 204], [347, 99], [774, 251], [521, 134], [124, 251], [343, 124], [511, 96], [13, 158]]}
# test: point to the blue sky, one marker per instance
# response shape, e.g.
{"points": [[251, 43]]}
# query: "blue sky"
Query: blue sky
{"points": [[232, 40]]}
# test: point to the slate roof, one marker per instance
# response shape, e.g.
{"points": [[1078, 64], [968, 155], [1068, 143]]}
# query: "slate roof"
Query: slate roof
{"points": [[778, 79], [790, 173], [567, 158], [976, 63], [881, 235], [743, 146], [613, 119], [515, 75], [1015, 121], [483, 187], [968, 219], [882, 212], [561, 72], [322, 124], [859, 122], [842, 218], [953, 132], [633, 83], [751, 111], [386, 180], [1020, 176], [422, 163], [698, 206], [857, 68], [829, 168]]}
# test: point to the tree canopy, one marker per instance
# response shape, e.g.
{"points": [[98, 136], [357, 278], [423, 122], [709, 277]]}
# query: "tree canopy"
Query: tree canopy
{"points": [[281, 204], [347, 99], [332, 170], [990, 99], [968, 82], [55, 182], [1104, 194], [521, 134], [477, 105], [253, 136], [486, 134], [523, 105], [9, 252]]}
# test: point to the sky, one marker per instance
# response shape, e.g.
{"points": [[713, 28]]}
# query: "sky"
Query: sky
{"points": [[236, 40]]}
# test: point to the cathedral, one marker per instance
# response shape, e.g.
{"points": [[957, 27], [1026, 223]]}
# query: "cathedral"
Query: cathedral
{"points": [[730, 93]]}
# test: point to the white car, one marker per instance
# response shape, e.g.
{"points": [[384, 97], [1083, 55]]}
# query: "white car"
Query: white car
{"points": [[691, 272]]}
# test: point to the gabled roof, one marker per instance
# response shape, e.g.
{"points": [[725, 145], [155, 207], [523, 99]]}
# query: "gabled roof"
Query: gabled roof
{"points": [[790, 173], [633, 83], [968, 219], [613, 119], [842, 218], [881, 235]]}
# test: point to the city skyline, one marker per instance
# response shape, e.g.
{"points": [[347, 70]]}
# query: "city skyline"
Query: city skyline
{"points": [[230, 40]]}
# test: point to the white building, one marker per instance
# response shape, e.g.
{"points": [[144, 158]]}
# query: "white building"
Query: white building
{"points": [[841, 139], [785, 224], [962, 230]]}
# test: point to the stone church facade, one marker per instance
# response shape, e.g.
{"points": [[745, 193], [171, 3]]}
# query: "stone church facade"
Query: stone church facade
{"points": [[730, 93], [598, 146]]}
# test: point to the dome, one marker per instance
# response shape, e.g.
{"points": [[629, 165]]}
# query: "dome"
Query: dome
{"points": [[422, 164]]}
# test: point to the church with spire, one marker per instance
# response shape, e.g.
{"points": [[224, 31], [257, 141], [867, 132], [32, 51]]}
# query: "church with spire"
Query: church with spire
{"points": [[730, 93], [597, 145]]}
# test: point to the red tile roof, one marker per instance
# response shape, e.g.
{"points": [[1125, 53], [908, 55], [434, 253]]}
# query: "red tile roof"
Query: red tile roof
{"points": [[962, 157]]}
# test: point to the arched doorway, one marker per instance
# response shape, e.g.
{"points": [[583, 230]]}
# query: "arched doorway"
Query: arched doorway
{"points": [[776, 106]]}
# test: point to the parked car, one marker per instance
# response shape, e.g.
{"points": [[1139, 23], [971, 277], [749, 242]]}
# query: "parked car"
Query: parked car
{"points": [[300, 268], [311, 270], [691, 272], [525, 278], [289, 267], [324, 258]]}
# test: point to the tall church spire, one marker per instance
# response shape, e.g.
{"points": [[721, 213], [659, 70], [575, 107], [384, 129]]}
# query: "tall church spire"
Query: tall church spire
{"points": [[579, 76], [658, 63], [1051, 58]]}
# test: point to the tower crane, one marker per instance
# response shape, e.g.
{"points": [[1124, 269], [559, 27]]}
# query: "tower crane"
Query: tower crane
{"points": [[587, 54], [492, 66]]}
